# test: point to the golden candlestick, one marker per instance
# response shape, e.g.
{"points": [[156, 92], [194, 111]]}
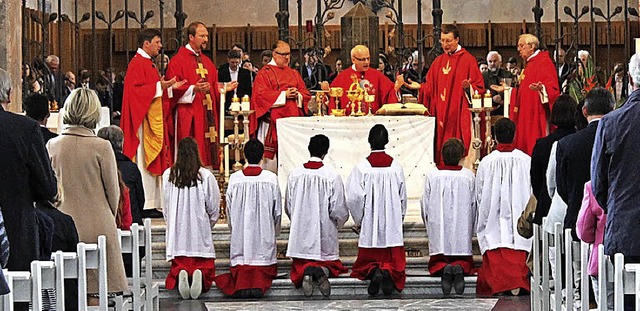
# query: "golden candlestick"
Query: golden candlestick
{"points": [[322, 100], [336, 93]]}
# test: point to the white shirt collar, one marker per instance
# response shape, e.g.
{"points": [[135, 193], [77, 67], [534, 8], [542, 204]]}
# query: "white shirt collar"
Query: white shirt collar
{"points": [[533, 55], [315, 159], [596, 119], [377, 150], [188, 47], [272, 63], [253, 165], [143, 53]]}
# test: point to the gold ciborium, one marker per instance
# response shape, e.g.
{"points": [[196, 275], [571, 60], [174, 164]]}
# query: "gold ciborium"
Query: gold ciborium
{"points": [[322, 100], [336, 93], [355, 95], [369, 99]]}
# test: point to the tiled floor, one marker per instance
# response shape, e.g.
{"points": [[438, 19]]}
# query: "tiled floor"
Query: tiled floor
{"points": [[467, 304]]}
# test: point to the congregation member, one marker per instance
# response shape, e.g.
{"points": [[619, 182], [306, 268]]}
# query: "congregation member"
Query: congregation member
{"points": [[536, 94], [563, 68], [36, 107], [449, 213], [254, 210], [445, 92], [195, 104], [495, 79], [315, 203], [573, 161], [512, 66], [191, 206], [27, 177], [615, 183], [279, 92], [379, 214], [233, 73], [373, 81], [93, 208], [504, 252], [562, 116], [144, 120]]}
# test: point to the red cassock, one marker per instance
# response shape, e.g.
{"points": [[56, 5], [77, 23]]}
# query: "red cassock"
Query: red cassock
{"points": [[528, 112], [206, 265], [246, 277], [139, 91], [503, 269], [376, 84], [192, 118], [298, 265], [392, 259], [438, 262], [443, 95], [269, 83]]}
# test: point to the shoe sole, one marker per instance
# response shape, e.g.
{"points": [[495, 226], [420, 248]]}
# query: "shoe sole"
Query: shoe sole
{"points": [[447, 280], [324, 286], [458, 280], [387, 283], [196, 285], [307, 286], [183, 284]]}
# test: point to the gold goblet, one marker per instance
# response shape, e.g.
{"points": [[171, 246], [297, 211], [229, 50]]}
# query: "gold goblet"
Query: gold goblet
{"points": [[369, 99], [336, 93], [353, 97]]}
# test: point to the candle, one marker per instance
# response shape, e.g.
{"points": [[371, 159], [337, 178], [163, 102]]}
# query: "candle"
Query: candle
{"points": [[223, 92], [226, 158], [235, 103], [246, 103], [488, 100], [507, 101], [476, 101], [637, 45]]}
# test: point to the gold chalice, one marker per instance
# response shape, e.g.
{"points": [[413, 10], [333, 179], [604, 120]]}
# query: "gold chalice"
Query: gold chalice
{"points": [[355, 96], [336, 93], [369, 99]]}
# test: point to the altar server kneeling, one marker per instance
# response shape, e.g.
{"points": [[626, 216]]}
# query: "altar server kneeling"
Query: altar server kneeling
{"points": [[254, 209], [315, 203], [448, 211], [503, 188], [377, 200]]}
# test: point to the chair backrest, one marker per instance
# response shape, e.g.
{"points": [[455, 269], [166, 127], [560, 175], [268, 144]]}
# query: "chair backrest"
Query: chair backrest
{"points": [[568, 266], [20, 286], [66, 268], [545, 266], [148, 253], [130, 242], [557, 273], [43, 276], [92, 256], [584, 276]]}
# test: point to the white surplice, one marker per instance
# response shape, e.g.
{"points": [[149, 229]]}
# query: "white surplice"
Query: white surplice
{"points": [[503, 188], [377, 200], [315, 203], [449, 212], [254, 209], [190, 213]]}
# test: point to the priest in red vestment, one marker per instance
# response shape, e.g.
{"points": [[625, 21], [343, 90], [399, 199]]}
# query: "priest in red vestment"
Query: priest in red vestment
{"points": [[195, 105], [450, 76], [535, 97], [278, 92], [373, 81], [144, 116]]}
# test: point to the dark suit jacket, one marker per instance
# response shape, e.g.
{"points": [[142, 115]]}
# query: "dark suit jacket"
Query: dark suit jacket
{"points": [[244, 82], [26, 177], [539, 164], [566, 71], [133, 179], [573, 156], [319, 73], [615, 177], [47, 134]]}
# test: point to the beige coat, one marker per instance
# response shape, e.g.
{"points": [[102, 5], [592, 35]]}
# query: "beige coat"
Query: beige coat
{"points": [[86, 169]]}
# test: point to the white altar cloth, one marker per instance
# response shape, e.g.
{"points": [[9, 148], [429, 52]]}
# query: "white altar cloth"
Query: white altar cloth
{"points": [[410, 142], [54, 123]]}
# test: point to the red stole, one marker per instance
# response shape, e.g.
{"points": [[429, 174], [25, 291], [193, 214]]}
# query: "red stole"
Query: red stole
{"points": [[252, 171], [505, 147], [380, 86], [445, 167], [528, 112], [379, 159], [139, 92], [269, 83], [192, 118], [313, 165], [443, 95]]}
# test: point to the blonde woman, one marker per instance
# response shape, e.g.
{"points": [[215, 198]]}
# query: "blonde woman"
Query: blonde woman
{"points": [[86, 169]]}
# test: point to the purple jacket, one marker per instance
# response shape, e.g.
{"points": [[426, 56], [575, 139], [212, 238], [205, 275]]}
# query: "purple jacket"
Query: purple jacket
{"points": [[590, 226]]}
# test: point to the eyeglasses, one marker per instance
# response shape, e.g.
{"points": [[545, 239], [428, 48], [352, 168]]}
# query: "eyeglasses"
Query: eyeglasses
{"points": [[283, 54], [366, 59]]}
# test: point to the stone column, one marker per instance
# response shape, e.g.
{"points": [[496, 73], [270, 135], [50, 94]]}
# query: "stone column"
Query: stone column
{"points": [[11, 47]]}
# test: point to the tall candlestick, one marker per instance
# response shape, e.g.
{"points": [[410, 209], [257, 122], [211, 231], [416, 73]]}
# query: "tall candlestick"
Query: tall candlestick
{"points": [[226, 159], [223, 92], [637, 45]]}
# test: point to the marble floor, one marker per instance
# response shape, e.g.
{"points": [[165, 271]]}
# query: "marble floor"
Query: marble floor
{"points": [[462, 303]]}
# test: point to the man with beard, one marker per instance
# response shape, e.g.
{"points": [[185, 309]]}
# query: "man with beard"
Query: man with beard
{"points": [[493, 79]]}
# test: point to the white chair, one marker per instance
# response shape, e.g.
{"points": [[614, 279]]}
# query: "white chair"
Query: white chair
{"points": [[92, 256], [20, 286], [129, 244], [66, 268], [152, 289], [584, 277], [536, 275], [568, 270], [556, 297], [43, 276], [540, 287]]}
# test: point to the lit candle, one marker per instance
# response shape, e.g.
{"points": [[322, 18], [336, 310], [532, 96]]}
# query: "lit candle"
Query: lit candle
{"points": [[245, 103], [637, 45], [235, 103], [476, 101], [488, 100], [226, 158], [223, 92], [507, 101]]}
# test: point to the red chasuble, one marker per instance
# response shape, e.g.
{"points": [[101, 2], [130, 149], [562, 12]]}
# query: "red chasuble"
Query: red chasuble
{"points": [[269, 83], [191, 118], [528, 111], [374, 81], [443, 95], [138, 106]]}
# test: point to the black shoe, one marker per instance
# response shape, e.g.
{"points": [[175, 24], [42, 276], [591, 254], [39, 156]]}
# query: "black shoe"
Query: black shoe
{"points": [[458, 279], [256, 293], [387, 283], [242, 294], [151, 213], [447, 279], [374, 285]]}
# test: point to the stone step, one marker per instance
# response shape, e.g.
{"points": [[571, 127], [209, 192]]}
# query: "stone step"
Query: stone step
{"points": [[416, 284]]}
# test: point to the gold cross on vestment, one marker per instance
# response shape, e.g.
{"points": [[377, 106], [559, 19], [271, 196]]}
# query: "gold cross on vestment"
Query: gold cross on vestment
{"points": [[446, 70], [202, 71], [212, 134], [208, 102]]}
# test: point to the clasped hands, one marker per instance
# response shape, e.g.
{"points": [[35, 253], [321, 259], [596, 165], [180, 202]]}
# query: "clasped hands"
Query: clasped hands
{"points": [[291, 93]]}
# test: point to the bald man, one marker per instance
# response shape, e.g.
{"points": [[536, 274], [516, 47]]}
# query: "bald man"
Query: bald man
{"points": [[278, 92], [373, 81]]}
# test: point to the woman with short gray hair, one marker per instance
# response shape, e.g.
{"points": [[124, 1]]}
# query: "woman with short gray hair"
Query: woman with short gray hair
{"points": [[86, 169]]}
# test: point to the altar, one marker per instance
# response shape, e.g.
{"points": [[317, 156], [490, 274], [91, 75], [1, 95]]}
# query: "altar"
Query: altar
{"points": [[54, 123], [410, 142]]}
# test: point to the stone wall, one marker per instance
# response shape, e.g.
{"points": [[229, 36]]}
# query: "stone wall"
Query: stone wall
{"points": [[10, 51]]}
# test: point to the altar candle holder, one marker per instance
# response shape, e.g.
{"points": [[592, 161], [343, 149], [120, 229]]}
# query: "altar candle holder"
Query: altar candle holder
{"points": [[489, 143], [477, 142], [238, 145]]}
